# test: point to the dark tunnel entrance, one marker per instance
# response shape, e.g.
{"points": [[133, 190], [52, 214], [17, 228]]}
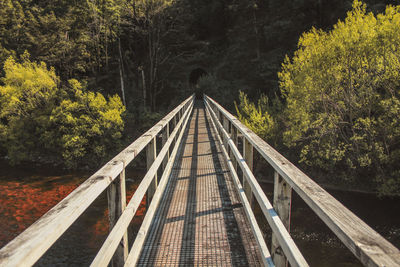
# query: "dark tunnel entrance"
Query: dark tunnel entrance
{"points": [[194, 78]]}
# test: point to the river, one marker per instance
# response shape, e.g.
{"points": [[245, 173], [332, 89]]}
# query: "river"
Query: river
{"points": [[25, 197]]}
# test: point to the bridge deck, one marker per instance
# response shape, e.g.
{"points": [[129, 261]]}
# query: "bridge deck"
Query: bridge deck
{"points": [[200, 220]]}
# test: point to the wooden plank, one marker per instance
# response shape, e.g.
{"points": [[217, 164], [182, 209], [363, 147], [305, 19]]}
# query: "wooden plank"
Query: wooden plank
{"points": [[31, 244], [116, 195], [196, 225], [282, 204], [364, 242], [151, 154], [266, 256], [105, 253], [248, 157], [285, 240], [144, 228]]}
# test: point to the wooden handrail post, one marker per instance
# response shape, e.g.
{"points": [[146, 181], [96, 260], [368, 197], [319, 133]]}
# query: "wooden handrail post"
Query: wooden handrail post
{"points": [[116, 195], [165, 136], [151, 155], [179, 115], [234, 137], [174, 124], [282, 205], [225, 123], [248, 157]]}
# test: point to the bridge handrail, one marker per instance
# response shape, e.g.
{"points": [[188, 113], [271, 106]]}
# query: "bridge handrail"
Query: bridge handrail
{"points": [[30, 245], [110, 245], [364, 242], [285, 240], [137, 246]]}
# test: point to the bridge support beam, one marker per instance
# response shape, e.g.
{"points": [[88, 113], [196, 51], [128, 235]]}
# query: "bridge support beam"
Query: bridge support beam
{"points": [[116, 195], [151, 154], [248, 157], [282, 206]]}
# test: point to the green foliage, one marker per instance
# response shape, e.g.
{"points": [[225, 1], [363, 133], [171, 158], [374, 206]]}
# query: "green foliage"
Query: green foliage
{"points": [[342, 91], [28, 95], [257, 118], [88, 126], [40, 119]]}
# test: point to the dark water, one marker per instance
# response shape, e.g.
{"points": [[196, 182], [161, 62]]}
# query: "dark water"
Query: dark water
{"points": [[318, 244], [24, 198]]}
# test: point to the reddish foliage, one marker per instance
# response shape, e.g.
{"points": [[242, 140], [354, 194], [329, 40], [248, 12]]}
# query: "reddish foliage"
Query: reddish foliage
{"points": [[21, 204]]}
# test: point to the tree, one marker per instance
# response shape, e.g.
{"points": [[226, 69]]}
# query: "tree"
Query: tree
{"points": [[39, 120], [342, 91], [27, 97], [154, 23], [88, 126]]}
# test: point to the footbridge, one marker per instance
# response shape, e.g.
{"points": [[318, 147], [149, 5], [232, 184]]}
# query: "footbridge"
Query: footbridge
{"points": [[200, 192]]}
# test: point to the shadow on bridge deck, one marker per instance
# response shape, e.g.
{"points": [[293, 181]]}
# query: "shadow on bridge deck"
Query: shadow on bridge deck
{"points": [[200, 220]]}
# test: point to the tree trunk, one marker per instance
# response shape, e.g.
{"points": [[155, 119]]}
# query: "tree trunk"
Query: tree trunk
{"points": [[258, 52], [121, 72], [144, 89]]}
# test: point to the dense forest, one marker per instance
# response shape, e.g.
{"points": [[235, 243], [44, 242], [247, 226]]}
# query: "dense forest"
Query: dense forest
{"points": [[318, 79]]}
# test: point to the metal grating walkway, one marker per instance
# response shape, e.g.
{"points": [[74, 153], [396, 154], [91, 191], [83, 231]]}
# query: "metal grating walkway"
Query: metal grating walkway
{"points": [[200, 220]]}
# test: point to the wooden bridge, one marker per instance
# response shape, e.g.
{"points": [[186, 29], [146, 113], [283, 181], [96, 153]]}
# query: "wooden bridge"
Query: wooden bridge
{"points": [[200, 193]]}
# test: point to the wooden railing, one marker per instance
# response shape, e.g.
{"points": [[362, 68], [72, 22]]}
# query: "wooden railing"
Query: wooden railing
{"points": [[31, 244], [365, 243]]}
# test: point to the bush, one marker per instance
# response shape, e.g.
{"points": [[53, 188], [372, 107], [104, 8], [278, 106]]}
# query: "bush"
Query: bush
{"points": [[41, 120], [257, 118], [342, 91]]}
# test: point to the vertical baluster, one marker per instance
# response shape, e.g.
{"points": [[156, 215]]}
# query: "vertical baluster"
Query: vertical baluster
{"points": [[282, 204], [248, 157], [234, 137], [165, 136], [226, 127], [116, 195], [174, 125], [151, 155]]}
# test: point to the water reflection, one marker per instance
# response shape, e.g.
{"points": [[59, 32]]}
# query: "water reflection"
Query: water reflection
{"points": [[25, 199]]}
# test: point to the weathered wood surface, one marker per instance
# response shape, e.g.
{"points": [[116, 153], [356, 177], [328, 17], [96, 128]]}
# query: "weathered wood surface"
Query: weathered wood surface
{"points": [[165, 136], [111, 243], [116, 195], [364, 242], [235, 141], [151, 154], [285, 240], [31, 244], [282, 204], [248, 157], [200, 220]]}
